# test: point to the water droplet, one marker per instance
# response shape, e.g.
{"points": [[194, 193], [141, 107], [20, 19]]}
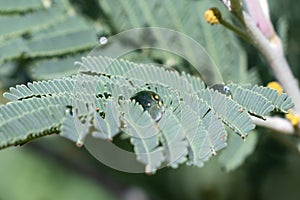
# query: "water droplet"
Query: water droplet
{"points": [[103, 40], [213, 153], [79, 143], [226, 89], [47, 3]]}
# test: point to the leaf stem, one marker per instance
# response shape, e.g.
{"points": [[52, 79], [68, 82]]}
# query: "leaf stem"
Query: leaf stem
{"points": [[237, 30], [275, 123]]}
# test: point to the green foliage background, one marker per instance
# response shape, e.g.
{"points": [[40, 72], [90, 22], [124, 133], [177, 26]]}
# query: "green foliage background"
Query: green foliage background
{"points": [[46, 44]]}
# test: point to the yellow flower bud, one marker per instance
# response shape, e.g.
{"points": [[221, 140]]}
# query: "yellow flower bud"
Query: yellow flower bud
{"points": [[213, 16], [294, 119], [276, 86]]}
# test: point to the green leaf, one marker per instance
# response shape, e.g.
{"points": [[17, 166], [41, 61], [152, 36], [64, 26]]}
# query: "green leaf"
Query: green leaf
{"points": [[194, 132], [173, 139], [9, 6], [254, 102], [12, 49], [55, 67], [15, 25], [146, 72], [62, 44], [25, 127], [68, 128], [196, 82], [65, 26], [42, 88], [97, 103], [186, 17], [229, 111], [214, 137], [141, 127], [281, 102], [108, 127]]}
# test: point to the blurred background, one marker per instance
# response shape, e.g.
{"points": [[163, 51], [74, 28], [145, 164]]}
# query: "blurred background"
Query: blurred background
{"points": [[41, 39]]}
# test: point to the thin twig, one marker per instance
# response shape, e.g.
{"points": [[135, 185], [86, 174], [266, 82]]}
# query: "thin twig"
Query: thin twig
{"points": [[275, 123]]}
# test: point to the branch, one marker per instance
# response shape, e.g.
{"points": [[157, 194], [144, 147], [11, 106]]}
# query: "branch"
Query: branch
{"points": [[275, 123], [259, 12], [272, 50]]}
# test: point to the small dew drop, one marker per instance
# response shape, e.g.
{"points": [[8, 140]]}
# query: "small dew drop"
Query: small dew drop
{"points": [[47, 3], [244, 138], [79, 143], [103, 40], [213, 152]]}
